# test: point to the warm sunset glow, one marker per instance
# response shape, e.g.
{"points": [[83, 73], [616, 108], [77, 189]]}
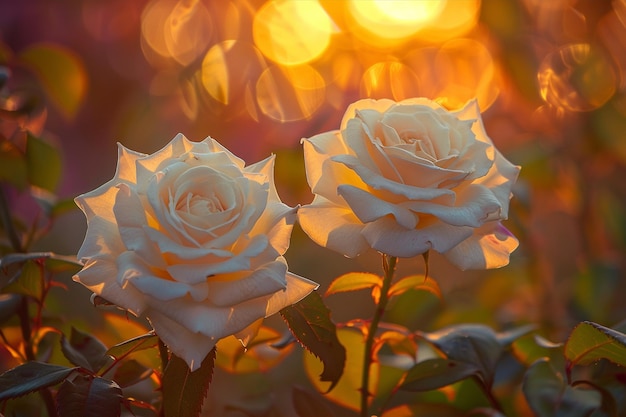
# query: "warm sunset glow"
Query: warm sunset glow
{"points": [[180, 30], [395, 19], [292, 32], [389, 80], [229, 67], [290, 93], [576, 78]]}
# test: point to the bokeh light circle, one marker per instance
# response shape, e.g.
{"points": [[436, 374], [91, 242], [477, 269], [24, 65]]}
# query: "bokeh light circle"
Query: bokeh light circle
{"points": [[395, 19], [576, 78], [290, 93], [228, 68], [390, 79], [292, 32]]}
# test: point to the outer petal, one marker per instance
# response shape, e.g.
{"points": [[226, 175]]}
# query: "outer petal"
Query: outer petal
{"points": [[386, 236], [263, 281], [191, 346], [368, 207], [297, 288], [98, 275], [333, 226], [489, 247]]}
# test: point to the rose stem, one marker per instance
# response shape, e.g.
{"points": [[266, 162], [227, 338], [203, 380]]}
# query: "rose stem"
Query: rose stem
{"points": [[22, 312], [389, 266]]}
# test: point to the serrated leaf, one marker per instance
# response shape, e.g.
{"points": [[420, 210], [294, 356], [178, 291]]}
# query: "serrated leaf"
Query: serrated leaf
{"points": [[44, 163], [471, 343], [308, 404], [83, 349], [415, 282], [89, 396], [549, 396], [130, 372], [29, 377], [184, 391], [436, 373], [590, 342], [309, 321], [145, 341], [347, 388], [353, 281], [61, 73]]}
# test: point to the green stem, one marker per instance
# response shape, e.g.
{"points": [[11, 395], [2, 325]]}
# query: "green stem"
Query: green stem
{"points": [[389, 265]]}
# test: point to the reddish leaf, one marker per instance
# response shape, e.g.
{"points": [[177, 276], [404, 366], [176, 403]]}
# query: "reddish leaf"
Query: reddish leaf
{"points": [[89, 396], [83, 349], [184, 391]]}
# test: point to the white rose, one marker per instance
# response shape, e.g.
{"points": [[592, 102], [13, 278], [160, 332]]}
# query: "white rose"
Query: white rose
{"points": [[191, 239], [404, 178]]}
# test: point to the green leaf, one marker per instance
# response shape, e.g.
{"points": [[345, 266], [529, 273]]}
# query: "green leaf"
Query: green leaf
{"points": [[308, 404], [89, 396], [590, 342], [436, 373], [549, 396], [61, 73], [44, 163], [415, 282], [184, 391], [309, 321], [530, 348], [145, 341], [130, 372], [29, 282], [470, 343], [29, 377], [353, 281], [13, 168], [84, 350]]}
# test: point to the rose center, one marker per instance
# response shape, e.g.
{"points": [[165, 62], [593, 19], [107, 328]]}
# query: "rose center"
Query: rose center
{"points": [[200, 205]]}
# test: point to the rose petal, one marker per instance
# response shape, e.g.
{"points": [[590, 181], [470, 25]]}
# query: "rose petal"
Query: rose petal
{"points": [[191, 346], [386, 236], [230, 289], [489, 247], [368, 207], [193, 272], [379, 182], [297, 288], [474, 206], [98, 275], [153, 282], [332, 226], [102, 239]]}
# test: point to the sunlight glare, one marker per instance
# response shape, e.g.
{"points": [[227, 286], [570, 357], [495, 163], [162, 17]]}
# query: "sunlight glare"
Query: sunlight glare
{"points": [[292, 32]]}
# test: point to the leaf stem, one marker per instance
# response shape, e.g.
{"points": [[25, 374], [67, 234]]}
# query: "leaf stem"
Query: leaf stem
{"points": [[493, 401], [389, 266]]}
